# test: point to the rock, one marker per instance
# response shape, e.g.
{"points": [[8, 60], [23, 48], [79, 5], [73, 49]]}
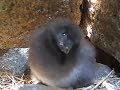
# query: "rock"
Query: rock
{"points": [[107, 59], [39, 87], [15, 60], [18, 18], [101, 72], [106, 26]]}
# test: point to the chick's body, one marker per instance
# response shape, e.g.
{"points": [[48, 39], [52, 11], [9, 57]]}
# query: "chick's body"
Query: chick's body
{"points": [[63, 61]]}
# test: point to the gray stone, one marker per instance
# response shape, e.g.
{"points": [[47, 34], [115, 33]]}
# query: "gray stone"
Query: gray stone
{"points": [[15, 60], [101, 72]]}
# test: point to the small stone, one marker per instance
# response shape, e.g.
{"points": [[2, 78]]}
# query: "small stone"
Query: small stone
{"points": [[15, 60], [101, 72]]}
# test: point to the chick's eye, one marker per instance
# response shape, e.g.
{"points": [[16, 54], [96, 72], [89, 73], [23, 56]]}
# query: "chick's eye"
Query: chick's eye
{"points": [[63, 34]]}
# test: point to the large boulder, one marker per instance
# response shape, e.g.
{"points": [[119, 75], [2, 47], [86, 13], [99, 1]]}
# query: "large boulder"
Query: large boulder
{"points": [[18, 18], [106, 26]]}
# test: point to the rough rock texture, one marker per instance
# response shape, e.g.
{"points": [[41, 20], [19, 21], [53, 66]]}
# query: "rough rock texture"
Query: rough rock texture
{"points": [[18, 18], [101, 71], [106, 26], [15, 60]]}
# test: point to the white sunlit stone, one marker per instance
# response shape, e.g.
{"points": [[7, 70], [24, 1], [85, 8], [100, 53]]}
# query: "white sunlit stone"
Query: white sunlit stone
{"points": [[89, 31], [91, 9], [93, 1]]}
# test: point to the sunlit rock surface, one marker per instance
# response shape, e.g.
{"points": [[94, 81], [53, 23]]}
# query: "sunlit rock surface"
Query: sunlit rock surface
{"points": [[18, 18], [105, 23]]}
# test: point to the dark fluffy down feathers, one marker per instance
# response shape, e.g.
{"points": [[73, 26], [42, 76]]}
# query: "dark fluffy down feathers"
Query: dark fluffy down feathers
{"points": [[60, 56]]}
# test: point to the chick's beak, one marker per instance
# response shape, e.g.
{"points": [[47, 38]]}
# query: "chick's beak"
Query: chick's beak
{"points": [[66, 50], [66, 46]]}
